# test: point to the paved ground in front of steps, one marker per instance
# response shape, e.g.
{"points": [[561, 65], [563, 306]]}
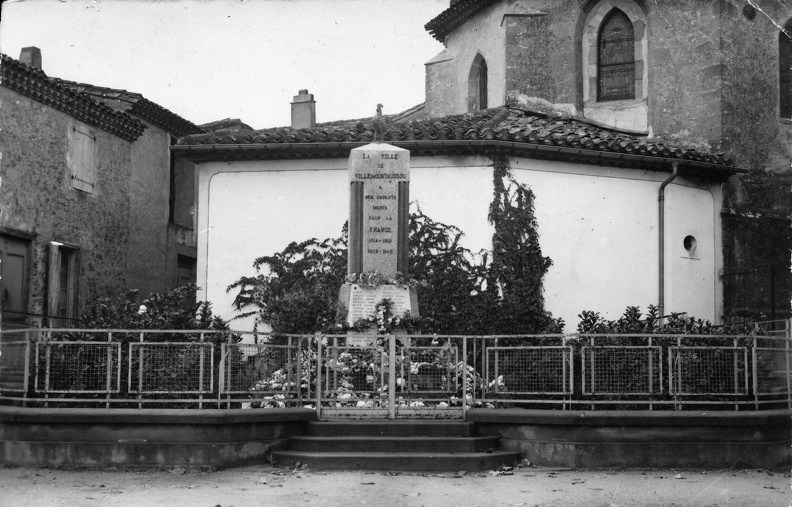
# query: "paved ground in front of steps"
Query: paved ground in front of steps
{"points": [[266, 485]]}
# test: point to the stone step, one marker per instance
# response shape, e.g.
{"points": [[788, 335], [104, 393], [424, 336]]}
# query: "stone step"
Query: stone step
{"points": [[399, 461], [405, 428], [393, 444]]}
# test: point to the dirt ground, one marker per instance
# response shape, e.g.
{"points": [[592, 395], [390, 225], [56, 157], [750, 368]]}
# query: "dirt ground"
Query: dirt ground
{"points": [[267, 485]]}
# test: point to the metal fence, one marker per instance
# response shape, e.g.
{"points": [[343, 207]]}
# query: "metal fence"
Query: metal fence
{"points": [[755, 294], [394, 374]]}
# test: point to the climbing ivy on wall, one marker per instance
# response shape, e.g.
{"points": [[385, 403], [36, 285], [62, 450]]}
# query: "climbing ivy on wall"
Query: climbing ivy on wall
{"points": [[518, 265], [459, 292]]}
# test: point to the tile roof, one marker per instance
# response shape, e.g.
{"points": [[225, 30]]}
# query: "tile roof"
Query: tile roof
{"points": [[516, 130], [453, 17], [137, 105], [228, 123], [34, 83]]}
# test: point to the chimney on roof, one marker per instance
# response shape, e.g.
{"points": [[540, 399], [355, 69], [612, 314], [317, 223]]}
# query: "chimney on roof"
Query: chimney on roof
{"points": [[303, 110], [31, 56]]}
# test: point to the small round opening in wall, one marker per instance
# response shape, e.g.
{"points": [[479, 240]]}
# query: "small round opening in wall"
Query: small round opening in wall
{"points": [[749, 12], [690, 245]]}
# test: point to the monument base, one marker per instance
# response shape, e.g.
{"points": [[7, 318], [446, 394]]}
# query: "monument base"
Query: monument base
{"points": [[357, 302]]}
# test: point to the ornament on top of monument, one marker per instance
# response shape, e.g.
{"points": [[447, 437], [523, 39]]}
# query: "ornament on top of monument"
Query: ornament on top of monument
{"points": [[379, 199], [378, 125]]}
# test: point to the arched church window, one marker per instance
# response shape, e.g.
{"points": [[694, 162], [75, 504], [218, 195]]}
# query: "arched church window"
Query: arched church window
{"points": [[477, 85], [785, 71], [616, 58]]}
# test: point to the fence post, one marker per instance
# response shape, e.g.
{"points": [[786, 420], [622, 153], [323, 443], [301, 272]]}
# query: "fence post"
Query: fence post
{"points": [[497, 366], [109, 366], [318, 375], [571, 370], [299, 370], [736, 373], [789, 374], [289, 372], [140, 372], [392, 376], [593, 382], [651, 372], [465, 376], [47, 362], [227, 372], [671, 370], [201, 372], [755, 372], [26, 377]]}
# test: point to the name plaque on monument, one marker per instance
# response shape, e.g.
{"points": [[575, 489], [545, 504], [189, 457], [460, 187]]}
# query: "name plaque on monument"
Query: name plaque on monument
{"points": [[363, 300]]}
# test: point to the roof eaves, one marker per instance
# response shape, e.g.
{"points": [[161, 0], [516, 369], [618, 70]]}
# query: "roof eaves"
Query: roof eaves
{"points": [[163, 118], [456, 15], [212, 152], [34, 83], [137, 105]]}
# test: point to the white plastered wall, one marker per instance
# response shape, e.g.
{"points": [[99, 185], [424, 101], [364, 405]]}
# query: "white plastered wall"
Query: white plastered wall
{"points": [[598, 225]]}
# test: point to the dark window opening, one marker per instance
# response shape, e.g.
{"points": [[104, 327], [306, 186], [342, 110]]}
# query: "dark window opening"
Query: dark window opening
{"points": [[616, 58], [477, 85], [186, 270], [67, 284], [785, 71], [482, 85]]}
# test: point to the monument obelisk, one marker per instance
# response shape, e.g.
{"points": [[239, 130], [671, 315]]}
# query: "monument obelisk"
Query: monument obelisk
{"points": [[379, 199]]}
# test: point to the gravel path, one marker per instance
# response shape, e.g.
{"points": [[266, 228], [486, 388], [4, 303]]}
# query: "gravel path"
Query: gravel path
{"points": [[266, 485]]}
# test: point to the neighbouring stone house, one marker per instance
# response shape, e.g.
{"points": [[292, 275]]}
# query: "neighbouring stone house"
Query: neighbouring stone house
{"points": [[615, 113], [91, 202]]}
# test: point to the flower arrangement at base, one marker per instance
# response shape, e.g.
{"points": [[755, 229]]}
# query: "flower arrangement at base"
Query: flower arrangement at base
{"points": [[373, 279]]}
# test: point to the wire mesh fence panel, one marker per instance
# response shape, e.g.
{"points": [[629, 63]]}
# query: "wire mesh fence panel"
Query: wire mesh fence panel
{"points": [[355, 376], [429, 371], [528, 370], [78, 367], [13, 360], [171, 368], [772, 358], [273, 373], [708, 370], [616, 370]]}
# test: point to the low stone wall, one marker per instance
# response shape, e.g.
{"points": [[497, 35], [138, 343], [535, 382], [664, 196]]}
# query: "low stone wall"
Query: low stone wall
{"points": [[147, 437], [601, 439]]}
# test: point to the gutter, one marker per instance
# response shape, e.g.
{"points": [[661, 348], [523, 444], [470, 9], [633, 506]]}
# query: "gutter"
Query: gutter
{"points": [[661, 232]]}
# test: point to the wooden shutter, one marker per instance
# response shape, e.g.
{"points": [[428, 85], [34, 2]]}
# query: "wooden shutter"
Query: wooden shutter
{"points": [[83, 159], [616, 58]]}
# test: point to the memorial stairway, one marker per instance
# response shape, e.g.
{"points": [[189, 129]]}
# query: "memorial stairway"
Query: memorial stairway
{"points": [[404, 445]]}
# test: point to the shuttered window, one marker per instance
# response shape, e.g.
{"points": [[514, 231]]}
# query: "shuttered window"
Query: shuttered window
{"points": [[616, 58], [785, 71], [83, 158]]}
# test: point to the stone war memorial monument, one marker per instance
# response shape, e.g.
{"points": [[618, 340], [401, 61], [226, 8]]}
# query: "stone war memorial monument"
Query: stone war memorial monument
{"points": [[379, 199]]}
